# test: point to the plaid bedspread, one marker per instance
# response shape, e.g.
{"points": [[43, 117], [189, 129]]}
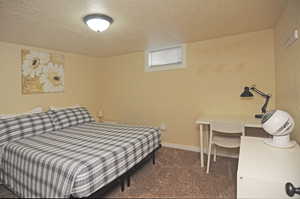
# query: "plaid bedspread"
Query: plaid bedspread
{"points": [[74, 161]]}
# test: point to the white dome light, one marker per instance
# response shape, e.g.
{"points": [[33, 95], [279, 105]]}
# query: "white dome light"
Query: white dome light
{"points": [[98, 22]]}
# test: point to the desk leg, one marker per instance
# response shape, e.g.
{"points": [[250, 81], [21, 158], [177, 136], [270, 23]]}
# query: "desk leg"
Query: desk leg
{"points": [[201, 145], [207, 133]]}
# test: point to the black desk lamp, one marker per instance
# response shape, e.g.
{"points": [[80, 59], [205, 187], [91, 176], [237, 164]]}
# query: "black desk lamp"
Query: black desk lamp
{"points": [[247, 93]]}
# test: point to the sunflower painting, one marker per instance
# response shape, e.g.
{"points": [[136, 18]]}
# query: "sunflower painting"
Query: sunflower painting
{"points": [[42, 72]]}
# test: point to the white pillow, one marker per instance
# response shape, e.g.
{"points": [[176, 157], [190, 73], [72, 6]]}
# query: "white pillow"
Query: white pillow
{"points": [[35, 110], [53, 108]]}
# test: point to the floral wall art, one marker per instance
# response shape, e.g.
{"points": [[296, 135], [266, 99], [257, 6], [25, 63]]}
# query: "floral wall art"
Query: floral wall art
{"points": [[42, 72]]}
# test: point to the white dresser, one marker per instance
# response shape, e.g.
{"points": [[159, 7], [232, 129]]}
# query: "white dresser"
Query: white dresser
{"points": [[263, 170]]}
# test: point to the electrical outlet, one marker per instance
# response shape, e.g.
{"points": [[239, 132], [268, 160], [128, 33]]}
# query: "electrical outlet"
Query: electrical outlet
{"points": [[100, 113], [163, 126], [292, 38]]}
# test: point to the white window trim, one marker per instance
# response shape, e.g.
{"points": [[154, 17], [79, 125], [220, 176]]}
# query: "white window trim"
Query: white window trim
{"points": [[167, 66]]}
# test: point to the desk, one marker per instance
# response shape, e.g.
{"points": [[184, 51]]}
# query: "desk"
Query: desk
{"points": [[248, 121]]}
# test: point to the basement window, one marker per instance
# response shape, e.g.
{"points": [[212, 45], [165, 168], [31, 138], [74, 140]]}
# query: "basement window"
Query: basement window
{"points": [[168, 58]]}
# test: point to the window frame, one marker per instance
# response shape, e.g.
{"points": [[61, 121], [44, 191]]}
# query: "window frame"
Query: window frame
{"points": [[163, 67]]}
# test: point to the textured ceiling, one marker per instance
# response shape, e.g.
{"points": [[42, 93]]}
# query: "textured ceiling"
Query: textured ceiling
{"points": [[138, 24]]}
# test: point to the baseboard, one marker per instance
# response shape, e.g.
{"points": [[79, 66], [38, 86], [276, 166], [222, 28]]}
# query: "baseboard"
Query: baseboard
{"points": [[194, 149], [179, 146]]}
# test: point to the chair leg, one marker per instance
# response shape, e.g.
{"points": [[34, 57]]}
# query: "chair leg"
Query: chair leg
{"points": [[208, 158], [215, 153]]}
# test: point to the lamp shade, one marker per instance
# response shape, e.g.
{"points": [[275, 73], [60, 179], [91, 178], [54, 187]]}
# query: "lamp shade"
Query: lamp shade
{"points": [[246, 92]]}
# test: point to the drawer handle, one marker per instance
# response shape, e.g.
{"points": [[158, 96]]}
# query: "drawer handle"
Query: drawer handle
{"points": [[291, 190]]}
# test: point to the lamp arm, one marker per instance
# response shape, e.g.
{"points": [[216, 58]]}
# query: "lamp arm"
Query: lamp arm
{"points": [[266, 96], [264, 107], [260, 92]]}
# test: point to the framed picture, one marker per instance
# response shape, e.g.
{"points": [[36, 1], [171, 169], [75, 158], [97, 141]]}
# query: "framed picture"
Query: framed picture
{"points": [[42, 72]]}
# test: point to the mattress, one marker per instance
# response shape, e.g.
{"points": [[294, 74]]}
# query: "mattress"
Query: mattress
{"points": [[75, 161]]}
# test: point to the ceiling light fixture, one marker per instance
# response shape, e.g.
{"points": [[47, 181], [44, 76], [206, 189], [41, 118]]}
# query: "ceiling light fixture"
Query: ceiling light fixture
{"points": [[98, 22]]}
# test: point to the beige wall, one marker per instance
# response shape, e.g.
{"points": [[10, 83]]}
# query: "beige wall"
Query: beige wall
{"points": [[288, 64], [217, 70], [80, 82]]}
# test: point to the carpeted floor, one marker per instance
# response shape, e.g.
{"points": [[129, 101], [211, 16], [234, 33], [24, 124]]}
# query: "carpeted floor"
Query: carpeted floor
{"points": [[177, 174]]}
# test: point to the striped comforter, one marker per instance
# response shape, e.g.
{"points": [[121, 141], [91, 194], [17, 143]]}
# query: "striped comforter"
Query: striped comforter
{"points": [[74, 161]]}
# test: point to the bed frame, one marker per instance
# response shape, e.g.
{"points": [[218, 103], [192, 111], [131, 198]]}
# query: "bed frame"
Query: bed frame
{"points": [[125, 177], [121, 179]]}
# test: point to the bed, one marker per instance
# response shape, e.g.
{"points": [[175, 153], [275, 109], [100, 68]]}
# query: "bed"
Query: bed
{"points": [[74, 161]]}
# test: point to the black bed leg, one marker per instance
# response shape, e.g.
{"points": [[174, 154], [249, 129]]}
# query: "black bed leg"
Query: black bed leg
{"points": [[128, 180], [153, 157], [122, 184]]}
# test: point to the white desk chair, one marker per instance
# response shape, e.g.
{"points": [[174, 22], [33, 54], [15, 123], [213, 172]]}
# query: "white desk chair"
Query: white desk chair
{"points": [[228, 137]]}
